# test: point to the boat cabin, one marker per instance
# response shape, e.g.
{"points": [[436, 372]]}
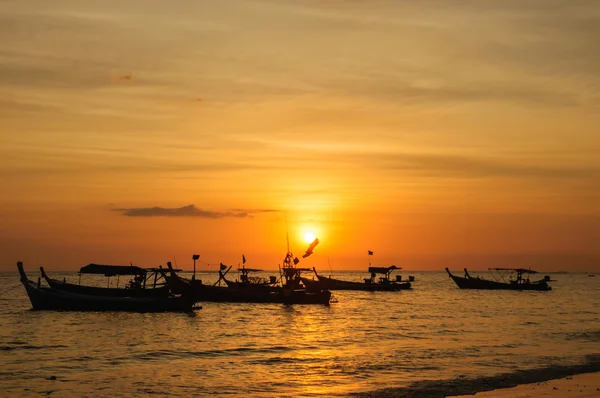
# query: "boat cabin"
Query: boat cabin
{"points": [[385, 271], [141, 277], [515, 276]]}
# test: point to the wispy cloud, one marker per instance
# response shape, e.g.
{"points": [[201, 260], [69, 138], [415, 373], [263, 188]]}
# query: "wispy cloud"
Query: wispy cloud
{"points": [[188, 211]]}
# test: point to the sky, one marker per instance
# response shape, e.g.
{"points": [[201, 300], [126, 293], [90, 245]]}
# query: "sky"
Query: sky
{"points": [[434, 133]]}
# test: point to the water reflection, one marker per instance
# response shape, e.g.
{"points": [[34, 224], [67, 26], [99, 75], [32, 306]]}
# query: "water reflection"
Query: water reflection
{"points": [[365, 341]]}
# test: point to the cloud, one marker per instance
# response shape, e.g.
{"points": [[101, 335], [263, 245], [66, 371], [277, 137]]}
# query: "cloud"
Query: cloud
{"points": [[255, 210], [187, 211]]}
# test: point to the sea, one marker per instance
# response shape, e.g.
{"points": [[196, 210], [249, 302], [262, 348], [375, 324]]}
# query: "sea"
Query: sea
{"points": [[363, 344]]}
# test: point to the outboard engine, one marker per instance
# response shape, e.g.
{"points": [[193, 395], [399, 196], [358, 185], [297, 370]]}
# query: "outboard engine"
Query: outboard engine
{"points": [[398, 278], [273, 279], [411, 278], [547, 278]]}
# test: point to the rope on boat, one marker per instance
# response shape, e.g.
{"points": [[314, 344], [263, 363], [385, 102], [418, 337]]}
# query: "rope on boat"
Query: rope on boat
{"points": [[14, 287]]}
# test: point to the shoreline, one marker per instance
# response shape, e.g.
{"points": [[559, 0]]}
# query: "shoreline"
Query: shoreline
{"points": [[477, 387], [585, 385]]}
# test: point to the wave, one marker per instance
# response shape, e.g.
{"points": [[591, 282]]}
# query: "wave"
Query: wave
{"points": [[161, 354], [470, 386], [25, 346]]}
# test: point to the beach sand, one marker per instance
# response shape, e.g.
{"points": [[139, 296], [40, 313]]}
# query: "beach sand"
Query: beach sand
{"points": [[579, 386]]}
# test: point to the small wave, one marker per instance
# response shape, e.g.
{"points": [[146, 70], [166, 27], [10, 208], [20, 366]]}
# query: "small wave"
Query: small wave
{"points": [[158, 355], [23, 346], [592, 335], [469, 386], [284, 360]]}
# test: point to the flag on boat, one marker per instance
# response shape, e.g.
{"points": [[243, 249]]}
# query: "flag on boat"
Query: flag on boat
{"points": [[243, 259], [310, 249], [223, 266], [296, 261], [370, 253]]}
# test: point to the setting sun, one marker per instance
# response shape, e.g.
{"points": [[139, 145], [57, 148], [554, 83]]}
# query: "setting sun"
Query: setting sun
{"points": [[309, 236]]}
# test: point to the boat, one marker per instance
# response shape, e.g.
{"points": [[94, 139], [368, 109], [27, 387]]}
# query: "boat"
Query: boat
{"points": [[293, 289], [245, 291], [385, 283], [136, 287], [49, 298], [212, 293], [510, 279], [247, 281]]}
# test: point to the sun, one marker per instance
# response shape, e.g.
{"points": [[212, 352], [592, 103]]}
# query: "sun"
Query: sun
{"points": [[309, 236]]}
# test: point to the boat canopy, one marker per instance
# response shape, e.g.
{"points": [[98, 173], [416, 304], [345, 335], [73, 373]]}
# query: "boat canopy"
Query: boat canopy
{"points": [[383, 270], [112, 270], [520, 270]]}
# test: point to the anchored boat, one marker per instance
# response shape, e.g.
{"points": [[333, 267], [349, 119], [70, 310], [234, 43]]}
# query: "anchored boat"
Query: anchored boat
{"points": [[145, 282], [250, 291], [49, 298], [383, 283], [507, 279]]}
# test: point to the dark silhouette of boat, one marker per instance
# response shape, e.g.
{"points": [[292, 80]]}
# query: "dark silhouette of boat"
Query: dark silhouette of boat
{"points": [[216, 293], [48, 298], [246, 291], [293, 289], [384, 283], [137, 286], [520, 282], [247, 281]]}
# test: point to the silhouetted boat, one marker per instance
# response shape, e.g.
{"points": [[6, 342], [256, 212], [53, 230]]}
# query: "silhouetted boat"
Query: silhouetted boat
{"points": [[521, 282], [214, 293], [385, 283], [244, 292], [293, 289], [48, 298], [135, 288], [246, 281]]}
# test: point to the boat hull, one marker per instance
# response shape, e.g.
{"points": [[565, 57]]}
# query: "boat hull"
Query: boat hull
{"points": [[485, 284], [48, 298], [161, 291], [324, 282], [247, 293]]}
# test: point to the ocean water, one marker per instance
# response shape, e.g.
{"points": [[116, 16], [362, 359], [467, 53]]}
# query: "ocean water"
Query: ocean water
{"points": [[364, 342]]}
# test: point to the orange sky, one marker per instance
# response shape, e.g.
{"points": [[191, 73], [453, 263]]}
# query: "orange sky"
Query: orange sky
{"points": [[434, 133]]}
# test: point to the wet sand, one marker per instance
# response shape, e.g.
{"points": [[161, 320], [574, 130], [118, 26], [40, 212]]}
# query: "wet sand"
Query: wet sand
{"points": [[578, 386]]}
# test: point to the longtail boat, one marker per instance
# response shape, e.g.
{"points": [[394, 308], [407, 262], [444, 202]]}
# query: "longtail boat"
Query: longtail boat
{"points": [[293, 289], [48, 298], [245, 292], [247, 281], [212, 293], [508, 279], [384, 283], [136, 287]]}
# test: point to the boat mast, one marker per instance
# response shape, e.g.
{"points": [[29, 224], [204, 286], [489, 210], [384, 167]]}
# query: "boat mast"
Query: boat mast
{"points": [[195, 257], [288, 267]]}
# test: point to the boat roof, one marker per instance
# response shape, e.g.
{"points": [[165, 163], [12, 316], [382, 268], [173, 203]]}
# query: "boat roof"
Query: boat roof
{"points": [[112, 270], [383, 270], [521, 270]]}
